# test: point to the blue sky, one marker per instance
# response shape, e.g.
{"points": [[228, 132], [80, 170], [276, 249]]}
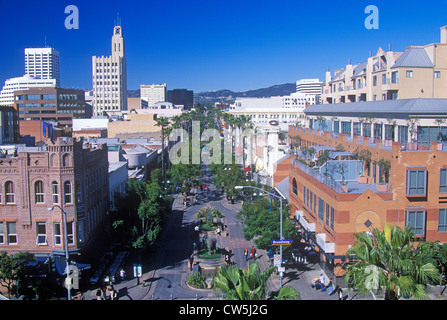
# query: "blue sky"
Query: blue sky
{"points": [[210, 45]]}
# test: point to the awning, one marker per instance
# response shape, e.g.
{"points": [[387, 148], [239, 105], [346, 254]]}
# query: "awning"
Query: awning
{"points": [[334, 155], [61, 265], [38, 268]]}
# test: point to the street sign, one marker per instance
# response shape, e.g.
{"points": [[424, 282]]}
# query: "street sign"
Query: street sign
{"points": [[281, 269], [277, 260], [281, 242]]}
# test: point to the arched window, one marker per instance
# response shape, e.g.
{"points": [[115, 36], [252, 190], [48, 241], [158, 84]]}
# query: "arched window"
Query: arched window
{"points": [[9, 192], [294, 187], [66, 160], [55, 191], [67, 192], [39, 194]]}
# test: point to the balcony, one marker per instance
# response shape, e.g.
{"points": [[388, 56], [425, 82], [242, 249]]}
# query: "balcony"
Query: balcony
{"points": [[309, 227], [327, 247]]}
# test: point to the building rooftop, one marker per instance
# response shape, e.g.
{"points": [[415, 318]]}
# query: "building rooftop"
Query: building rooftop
{"points": [[390, 108], [414, 57]]}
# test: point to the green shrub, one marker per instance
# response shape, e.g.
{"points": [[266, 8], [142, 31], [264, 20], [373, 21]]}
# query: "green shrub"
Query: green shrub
{"points": [[196, 280]]}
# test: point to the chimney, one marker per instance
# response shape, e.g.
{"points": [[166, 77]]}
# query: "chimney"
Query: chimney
{"points": [[444, 34]]}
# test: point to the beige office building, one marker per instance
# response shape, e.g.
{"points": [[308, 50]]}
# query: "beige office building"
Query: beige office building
{"points": [[110, 79], [419, 72], [153, 93]]}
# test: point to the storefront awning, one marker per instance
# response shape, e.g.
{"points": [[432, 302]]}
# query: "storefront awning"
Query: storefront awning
{"points": [[61, 265]]}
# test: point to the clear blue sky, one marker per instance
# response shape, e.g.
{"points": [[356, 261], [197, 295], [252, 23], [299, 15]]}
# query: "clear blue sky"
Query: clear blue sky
{"points": [[209, 45]]}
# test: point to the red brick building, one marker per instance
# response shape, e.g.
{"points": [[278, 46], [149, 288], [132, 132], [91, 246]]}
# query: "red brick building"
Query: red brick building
{"points": [[64, 174]]}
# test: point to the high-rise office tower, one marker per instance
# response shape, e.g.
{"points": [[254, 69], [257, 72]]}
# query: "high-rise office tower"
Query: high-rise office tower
{"points": [[110, 78], [43, 63]]}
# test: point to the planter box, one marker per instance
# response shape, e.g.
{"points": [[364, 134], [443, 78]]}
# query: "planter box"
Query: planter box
{"points": [[382, 188], [363, 179]]}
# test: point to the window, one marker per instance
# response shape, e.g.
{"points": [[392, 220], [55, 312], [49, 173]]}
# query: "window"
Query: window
{"points": [[409, 73], [375, 81], [294, 187], [41, 233], [395, 77], [70, 237], [78, 192], [320, 209], [57, 234], [416, 182], [9, 192], [67, 192], [443, 182], [384, 78], [332, 219], [437, 74], [416, 220], [39, 195], [442, 222], [55, 191], [12, 233], [2, 233], [327, 214]]}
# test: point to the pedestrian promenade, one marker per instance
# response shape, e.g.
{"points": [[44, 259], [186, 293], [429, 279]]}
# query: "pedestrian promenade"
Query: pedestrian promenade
{"points": [[298, 276]]}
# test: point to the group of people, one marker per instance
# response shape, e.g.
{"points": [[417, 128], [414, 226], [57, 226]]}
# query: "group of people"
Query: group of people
{"points": [[252, 253], [107, 290], [319, 284]]}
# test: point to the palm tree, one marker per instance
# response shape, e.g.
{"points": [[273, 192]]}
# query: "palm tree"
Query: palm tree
{"points": [[389, 261], [250, 284], [163, 123]]}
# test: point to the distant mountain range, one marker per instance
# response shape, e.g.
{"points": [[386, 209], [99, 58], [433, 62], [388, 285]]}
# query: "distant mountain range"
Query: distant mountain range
{"points": [[230, 96]]}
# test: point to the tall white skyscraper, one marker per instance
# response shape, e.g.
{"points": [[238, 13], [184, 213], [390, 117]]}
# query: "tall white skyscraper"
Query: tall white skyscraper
{"points": [[43, 63], [110, 78]]}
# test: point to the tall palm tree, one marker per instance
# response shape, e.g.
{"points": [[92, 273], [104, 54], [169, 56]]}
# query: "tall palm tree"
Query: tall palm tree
{"points": [[163, 123], [390, 260]]}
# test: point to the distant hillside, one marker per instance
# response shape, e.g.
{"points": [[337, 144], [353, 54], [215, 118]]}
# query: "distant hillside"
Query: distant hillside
{"points": [[229, 96]]}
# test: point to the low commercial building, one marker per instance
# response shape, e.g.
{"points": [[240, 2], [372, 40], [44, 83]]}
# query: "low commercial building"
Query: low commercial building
{"points": [[59, 105]]}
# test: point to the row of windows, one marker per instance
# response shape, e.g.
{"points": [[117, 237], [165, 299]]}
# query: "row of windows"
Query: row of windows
{"points": [[417, 181], [414, 218], [39, 193], [8, 233], [326, 213]]}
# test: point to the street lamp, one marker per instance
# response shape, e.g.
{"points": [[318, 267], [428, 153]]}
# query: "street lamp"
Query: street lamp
{"points": [[64, 216], [280, 224]]}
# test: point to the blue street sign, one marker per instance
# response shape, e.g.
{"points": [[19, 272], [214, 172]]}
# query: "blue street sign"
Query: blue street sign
{"points": [[281, 242]]}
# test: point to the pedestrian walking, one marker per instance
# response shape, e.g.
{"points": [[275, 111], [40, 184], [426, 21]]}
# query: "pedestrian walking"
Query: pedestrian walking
{"points": [[253, 252], [99, 294], [111, 291], [330, 286], [122, 274], [191, 262], [246, 254], [322, 280]]}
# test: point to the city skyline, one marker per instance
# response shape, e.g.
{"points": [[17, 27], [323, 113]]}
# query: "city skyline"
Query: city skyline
{"points": [[209, 46]]}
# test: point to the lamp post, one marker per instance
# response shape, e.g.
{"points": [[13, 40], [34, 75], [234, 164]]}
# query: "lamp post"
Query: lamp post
{"points": [[64, 216], [280, 224]]}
